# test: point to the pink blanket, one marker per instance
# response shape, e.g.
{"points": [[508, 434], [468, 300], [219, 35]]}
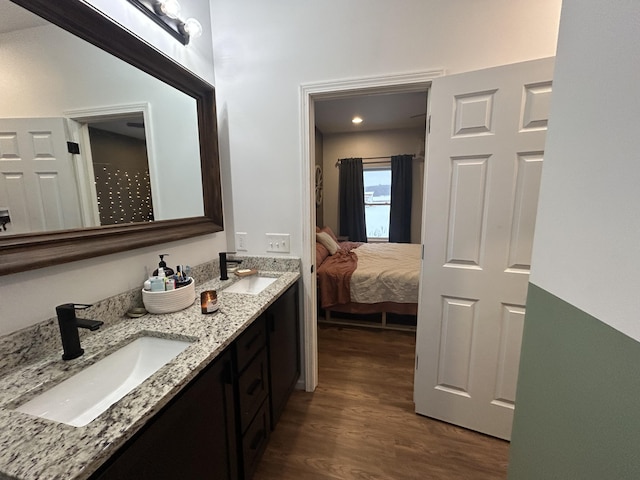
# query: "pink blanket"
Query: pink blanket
{"points": [[334, 275]]}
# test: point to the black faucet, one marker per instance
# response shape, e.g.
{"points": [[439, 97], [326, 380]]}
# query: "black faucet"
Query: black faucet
{"points": [[69, 324], [223, 264]]}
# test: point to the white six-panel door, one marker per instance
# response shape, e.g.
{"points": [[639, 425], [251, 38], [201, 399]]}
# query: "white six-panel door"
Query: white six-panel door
{"points": [[37, 180], [483, 170]]}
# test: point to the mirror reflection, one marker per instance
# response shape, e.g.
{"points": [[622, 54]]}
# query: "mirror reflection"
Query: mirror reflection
{"points": [[137, 137], [121, 171]]}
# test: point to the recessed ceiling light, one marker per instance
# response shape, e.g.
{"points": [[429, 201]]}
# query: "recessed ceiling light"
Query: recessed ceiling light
{"points": [[356, 120]]}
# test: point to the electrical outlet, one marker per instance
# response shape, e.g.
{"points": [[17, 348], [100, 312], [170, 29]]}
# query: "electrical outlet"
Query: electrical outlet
{"points": [[241, 241], [278, 242]]}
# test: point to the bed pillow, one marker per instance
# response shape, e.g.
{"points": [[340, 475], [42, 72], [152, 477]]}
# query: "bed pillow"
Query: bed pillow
{"points": [[325, 239], [328, 230], [321, 254]]}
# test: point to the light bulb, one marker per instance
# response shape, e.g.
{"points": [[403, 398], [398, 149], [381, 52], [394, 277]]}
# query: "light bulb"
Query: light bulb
{"points": [[192, 28], [169, 8]]}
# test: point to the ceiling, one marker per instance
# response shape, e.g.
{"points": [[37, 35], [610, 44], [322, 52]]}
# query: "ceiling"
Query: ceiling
{"points": [[378, 112], [131, 125], [14, 17]]}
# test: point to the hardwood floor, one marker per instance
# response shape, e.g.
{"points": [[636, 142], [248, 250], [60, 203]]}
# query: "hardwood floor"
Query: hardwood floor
{"points": [[360, 421]]}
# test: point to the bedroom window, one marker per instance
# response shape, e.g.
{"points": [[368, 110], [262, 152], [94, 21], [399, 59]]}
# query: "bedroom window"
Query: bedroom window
{"points": [[377, 201]]}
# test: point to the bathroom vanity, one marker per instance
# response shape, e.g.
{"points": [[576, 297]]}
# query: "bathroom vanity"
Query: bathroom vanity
{"points": [[207, 413]]}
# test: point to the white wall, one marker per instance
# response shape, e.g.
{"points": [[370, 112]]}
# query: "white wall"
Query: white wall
{"points": [[264, 51], [587, 242], [31, 297], [383, 143], [197, 56]]}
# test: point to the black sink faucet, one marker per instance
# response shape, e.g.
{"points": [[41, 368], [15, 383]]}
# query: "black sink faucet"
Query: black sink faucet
{"points": [[223, 264], [69, 324]]}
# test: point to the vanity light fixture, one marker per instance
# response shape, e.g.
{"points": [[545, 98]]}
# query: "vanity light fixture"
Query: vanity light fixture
{"points": [[168, 8], [166, 13], [192, 28], [356, 120]]}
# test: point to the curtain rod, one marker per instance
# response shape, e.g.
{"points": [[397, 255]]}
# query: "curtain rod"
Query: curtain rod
{"points": [[415, 157]]}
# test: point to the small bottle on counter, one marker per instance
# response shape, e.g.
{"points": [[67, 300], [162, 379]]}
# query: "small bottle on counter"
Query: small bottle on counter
{"points": [[157, 284]]}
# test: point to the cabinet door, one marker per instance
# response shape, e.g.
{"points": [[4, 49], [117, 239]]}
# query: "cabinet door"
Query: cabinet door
{"points": [[192, 438], [284, 350]]}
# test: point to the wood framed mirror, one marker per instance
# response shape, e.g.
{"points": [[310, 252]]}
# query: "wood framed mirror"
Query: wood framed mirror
{"points": [[36, 250]]}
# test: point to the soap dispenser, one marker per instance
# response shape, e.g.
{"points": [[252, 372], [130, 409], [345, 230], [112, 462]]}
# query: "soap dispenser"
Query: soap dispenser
{"points": [[168, 271]]}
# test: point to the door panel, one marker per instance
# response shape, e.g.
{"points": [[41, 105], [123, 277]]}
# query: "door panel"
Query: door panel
{"points": [[37, 179], [509, 354], [466, 211], [486, 148], [457, 332], [529, 170], [473, 114]]}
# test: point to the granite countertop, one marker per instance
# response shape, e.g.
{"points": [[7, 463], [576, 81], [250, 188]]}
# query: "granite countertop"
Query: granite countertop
{"points": [[35, 448]]}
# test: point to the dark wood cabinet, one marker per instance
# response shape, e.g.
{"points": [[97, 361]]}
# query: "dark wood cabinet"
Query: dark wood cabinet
{"points": [[254, 441], [252, 371], [253, 389], [283, 334], [219, 425], [249, 343], [267, 360], [193, 437]]}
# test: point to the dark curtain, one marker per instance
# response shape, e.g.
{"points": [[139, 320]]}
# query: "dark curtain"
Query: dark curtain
{"points": [[400, 215], [351, 200]]}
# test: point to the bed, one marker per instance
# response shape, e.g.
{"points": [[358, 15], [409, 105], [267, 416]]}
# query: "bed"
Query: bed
{"points": [[367, 278]]}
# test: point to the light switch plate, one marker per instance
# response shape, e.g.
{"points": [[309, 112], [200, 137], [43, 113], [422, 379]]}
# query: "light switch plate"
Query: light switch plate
{"points": [[278, 242]]}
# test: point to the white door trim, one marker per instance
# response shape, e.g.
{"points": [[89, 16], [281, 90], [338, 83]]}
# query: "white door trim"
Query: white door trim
{"points": [[110, 112], [85, 175], [309, 92]]}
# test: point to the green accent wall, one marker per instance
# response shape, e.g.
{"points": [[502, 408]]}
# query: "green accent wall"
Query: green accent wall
{"points": [[577, 410]]}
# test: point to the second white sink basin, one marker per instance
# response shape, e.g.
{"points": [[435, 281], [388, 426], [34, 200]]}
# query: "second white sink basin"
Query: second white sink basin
{"points": [[252, 285], [81, 398]]}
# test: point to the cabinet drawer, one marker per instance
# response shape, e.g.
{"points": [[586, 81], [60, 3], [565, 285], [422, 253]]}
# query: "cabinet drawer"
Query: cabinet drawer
{"points": [[253, 388], [255, 440], [250, 342]]}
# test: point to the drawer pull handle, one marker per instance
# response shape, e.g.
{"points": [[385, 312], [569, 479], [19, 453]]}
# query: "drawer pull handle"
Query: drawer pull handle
{"points": [[254, 386], [257, 439]]}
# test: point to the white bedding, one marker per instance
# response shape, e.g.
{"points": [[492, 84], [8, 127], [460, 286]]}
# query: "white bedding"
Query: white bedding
{"points": [[386, 272]]}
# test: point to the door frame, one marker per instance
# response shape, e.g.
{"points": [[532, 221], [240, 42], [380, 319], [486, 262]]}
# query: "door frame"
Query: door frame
{"points": [[78, 125], [308, 94]]}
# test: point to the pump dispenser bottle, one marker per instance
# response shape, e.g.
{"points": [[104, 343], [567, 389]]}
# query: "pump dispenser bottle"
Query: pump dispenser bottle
{"points": [[162, 266]]}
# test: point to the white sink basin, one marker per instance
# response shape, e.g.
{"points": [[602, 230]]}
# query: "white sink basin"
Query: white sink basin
{"points": [[81, 398], [252, 285]]}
